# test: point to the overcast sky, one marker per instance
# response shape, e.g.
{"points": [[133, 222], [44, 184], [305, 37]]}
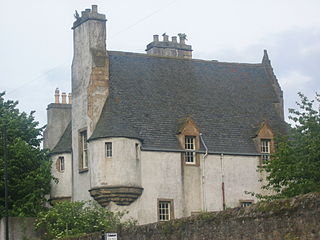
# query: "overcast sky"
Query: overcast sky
{"points": [[36, 39]]}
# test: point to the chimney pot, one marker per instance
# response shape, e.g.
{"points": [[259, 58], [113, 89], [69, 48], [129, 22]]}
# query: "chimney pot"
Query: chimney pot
{"points": [[69, 98], [156, 38], [64, 98], [174, 39], [94, 8], [56, 96], [165, 37], [182, 38]]}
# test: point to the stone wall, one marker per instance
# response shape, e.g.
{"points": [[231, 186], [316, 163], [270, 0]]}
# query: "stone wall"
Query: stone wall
{"points": [[19, 229], [292, 219]]}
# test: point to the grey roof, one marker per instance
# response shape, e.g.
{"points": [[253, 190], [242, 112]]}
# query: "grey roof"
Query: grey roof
{"points": [[65, 142], [150, 95]]}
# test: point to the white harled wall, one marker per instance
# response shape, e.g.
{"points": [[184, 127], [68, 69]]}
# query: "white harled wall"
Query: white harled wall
{"points": [[122, 169], [61, 189], [163, 176]]}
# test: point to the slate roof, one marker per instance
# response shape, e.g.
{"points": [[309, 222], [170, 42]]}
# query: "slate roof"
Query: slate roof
{"points": [[150, 95], [64, 144]]}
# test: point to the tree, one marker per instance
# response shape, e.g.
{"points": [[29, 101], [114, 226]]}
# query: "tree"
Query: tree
{"points": [[70, 219], [29, 174], [295, 167]]}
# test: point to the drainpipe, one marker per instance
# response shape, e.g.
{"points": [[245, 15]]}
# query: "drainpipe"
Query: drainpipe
{"points": [[222, 183], [203, 174]]}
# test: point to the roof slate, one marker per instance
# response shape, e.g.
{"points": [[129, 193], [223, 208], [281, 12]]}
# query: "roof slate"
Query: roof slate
{"points": [[65, 143], [150, 95]]}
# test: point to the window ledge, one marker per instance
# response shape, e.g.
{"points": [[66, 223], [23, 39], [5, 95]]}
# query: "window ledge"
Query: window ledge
{"points": [[83, 170], [192, 165]]}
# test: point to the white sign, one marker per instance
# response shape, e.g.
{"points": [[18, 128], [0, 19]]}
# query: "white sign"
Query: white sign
{"points": [[112, 236]]}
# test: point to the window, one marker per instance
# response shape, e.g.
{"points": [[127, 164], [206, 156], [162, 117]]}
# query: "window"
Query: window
{"points": [[190, 157], [165, 210], [83, 147], [60, 164], [265, 150], [108, 147], [137, 151], [246, 203]]}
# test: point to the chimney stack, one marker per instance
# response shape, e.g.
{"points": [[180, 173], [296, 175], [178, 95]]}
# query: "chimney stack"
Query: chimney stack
{"points": [[58, 116], [170, 48]]}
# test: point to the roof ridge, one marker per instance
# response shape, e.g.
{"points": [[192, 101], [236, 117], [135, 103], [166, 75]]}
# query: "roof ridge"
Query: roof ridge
{"points": [[122, 53]]}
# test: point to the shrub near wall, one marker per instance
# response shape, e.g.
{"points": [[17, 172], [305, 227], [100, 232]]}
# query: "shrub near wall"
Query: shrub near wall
{"points": [[292, 219]]}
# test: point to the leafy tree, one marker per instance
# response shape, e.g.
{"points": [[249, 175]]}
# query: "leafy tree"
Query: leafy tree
{"points": [[29, 173], [68, 219], [295, 167]]}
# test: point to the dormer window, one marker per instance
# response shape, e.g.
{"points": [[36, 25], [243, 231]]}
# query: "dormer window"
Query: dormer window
{"points": [[190, 144], [265, 150], [264, 141], [189, 140]]}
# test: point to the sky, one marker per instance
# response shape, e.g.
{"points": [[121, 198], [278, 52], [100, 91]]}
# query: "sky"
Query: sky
{"points": [[36, 40]]}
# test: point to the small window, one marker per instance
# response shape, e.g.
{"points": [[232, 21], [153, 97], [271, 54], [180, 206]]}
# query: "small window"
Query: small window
{"points": [[190, 156], [137, 151], [165, 210], [108, 146], [60, 164], [246, 203], [265, 150], [83, 150]]}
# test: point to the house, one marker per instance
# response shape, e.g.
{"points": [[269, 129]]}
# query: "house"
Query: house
{"points": [[160, 135]]}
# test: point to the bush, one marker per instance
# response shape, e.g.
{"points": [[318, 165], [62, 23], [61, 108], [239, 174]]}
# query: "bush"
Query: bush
{"points": [[69, 219]]}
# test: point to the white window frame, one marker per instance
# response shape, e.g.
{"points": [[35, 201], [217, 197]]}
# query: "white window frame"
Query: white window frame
{"points": [[190, 144], [246, 203], [108, 149], [165, 210], [83, 150], [61, 164], [265, 150]]}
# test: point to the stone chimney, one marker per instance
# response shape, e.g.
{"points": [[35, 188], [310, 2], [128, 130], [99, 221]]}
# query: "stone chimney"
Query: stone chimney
{"points": [[58, 118], [90, 69], [170, 48]]}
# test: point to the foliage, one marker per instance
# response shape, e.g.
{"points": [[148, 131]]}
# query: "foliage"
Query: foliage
{"points": [[66, 219], [29, 173], [295, 167]]}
